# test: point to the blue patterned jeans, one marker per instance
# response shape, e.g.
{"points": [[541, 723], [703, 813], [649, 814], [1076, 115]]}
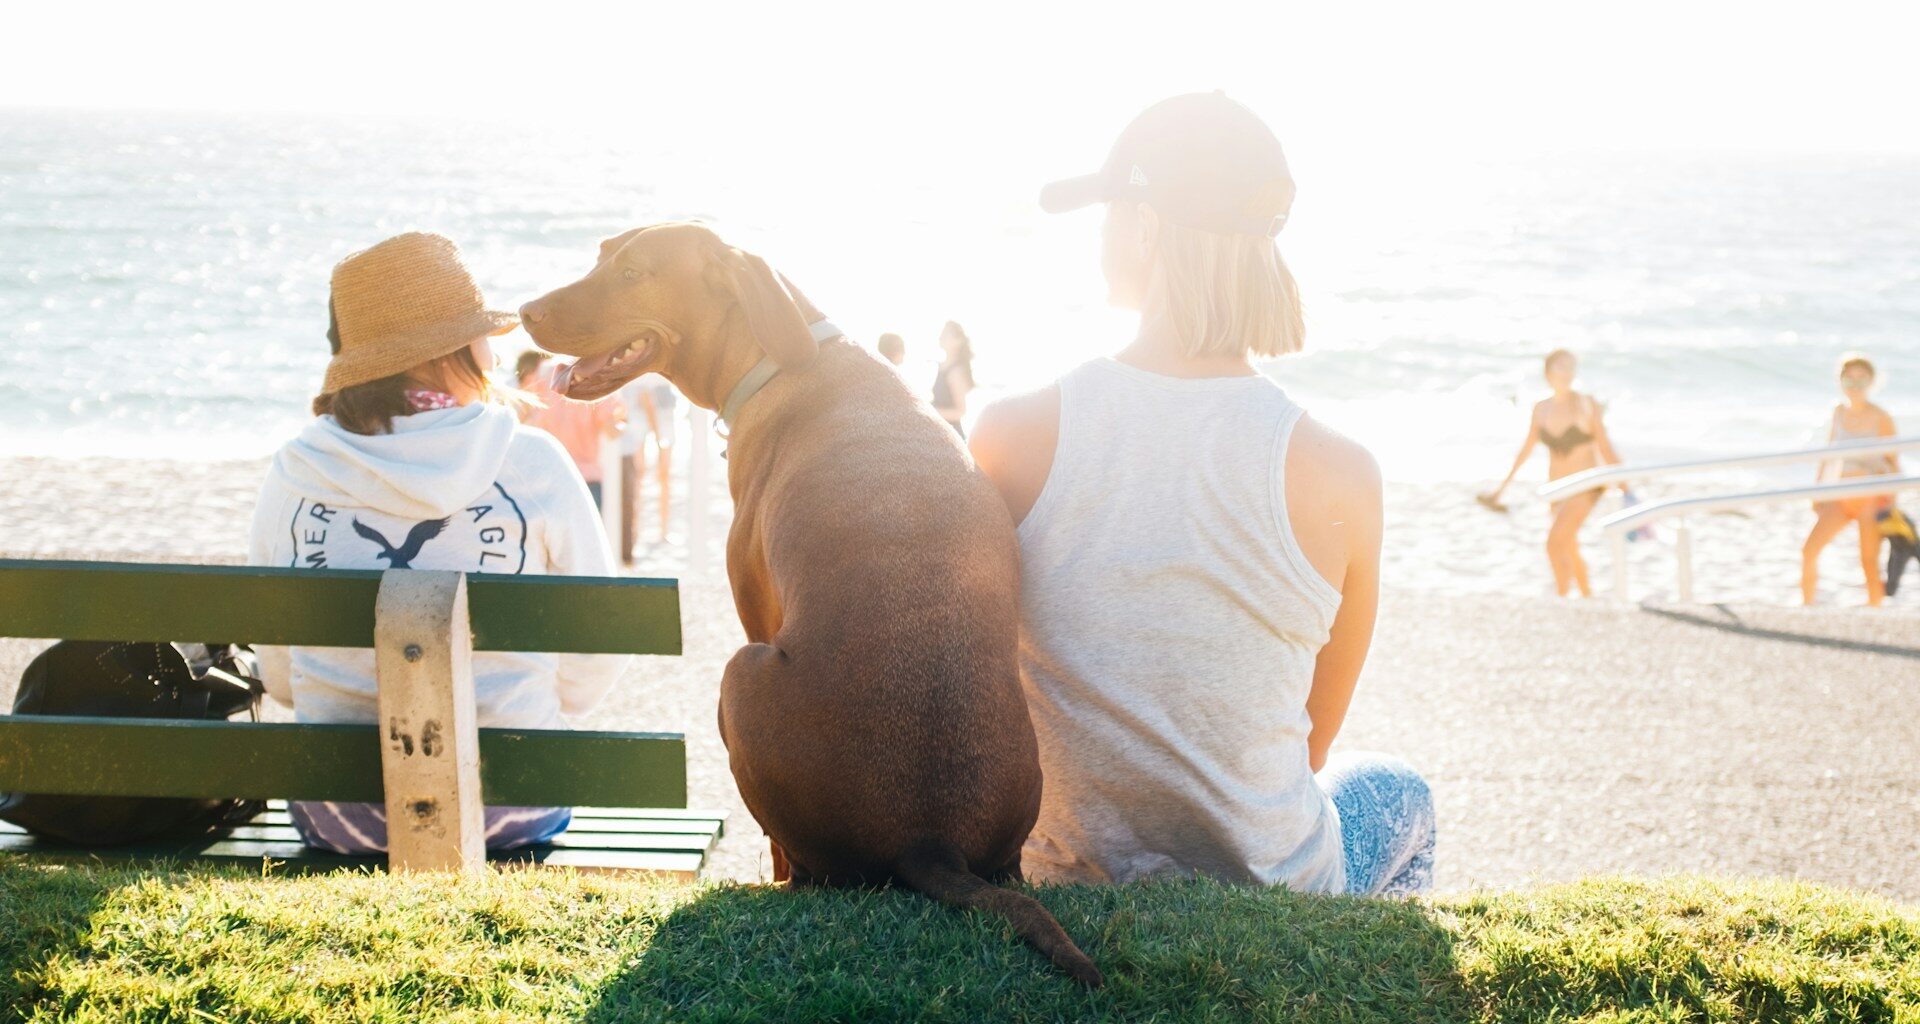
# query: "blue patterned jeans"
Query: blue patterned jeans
{"points": [[1386, 823], [362, 828]]}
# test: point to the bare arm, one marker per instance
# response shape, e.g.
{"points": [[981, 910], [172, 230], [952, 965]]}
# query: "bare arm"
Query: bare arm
{"points": [[1603, 442], [1337, 669], [1526, 451], [613, 417], [652, 412], [1013, 443]]}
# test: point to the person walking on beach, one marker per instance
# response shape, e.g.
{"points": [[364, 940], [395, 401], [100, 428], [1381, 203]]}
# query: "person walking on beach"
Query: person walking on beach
{"points": [[581, 427], [954, 381], [411, 463], [650, 403], [1200, 558], [1854, 419], [1570, 424]]}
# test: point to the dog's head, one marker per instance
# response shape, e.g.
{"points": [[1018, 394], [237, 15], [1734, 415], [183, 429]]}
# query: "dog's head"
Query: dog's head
{"points": [[671, 299]]}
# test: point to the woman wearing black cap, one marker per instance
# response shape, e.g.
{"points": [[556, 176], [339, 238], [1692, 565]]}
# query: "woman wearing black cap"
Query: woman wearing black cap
{"points": [[1200, 560]]}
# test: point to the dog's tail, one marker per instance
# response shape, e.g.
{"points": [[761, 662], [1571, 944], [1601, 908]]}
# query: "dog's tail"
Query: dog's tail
{"points": [[938, 870]]}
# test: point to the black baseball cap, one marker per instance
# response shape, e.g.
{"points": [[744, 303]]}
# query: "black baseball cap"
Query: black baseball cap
{"points": [[1202, 160]]}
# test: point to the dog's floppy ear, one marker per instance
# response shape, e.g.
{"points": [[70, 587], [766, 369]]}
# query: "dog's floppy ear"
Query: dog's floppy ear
{"points": [[808, 312], [773, 317]]}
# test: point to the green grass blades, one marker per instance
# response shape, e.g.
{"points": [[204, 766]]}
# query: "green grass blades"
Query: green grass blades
{"points": [[153, 944]]}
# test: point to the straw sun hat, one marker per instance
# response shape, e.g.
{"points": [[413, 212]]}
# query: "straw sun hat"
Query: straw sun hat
{"points": [[401, 303]]}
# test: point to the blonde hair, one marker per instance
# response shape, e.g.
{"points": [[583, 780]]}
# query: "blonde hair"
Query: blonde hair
{"points": [[1227, 295], [1853, 359]]}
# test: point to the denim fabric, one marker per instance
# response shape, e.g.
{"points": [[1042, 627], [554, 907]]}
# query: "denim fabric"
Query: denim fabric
{"points": [[1387, 828], [362, 828]]}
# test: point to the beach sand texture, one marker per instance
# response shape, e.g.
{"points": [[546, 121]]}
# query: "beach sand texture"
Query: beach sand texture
{"points": [[1561, 738]]}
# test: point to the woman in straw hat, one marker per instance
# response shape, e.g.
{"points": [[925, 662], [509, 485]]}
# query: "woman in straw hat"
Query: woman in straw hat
{"points": [[411, 463], [1199, 559]]}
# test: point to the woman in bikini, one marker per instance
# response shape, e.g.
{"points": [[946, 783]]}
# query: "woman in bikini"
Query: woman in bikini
{"points": [[1570, 425], [1853, 420]]}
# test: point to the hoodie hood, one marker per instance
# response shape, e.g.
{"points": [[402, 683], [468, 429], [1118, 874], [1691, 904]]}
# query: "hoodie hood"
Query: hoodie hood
{"points": [[432, 464]]}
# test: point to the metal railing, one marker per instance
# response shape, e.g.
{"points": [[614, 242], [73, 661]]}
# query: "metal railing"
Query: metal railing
{"points": [[1600, 476], [1625, 521]]}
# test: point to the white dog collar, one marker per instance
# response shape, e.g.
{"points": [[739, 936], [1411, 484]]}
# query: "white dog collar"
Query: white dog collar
{"points": [[764, 371]]}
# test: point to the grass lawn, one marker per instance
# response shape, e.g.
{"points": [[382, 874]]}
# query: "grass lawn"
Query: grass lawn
{"points": [[104, 944]]}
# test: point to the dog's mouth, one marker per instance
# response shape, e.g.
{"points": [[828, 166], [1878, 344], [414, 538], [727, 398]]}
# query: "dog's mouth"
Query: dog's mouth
{"points": [[598, 376]]}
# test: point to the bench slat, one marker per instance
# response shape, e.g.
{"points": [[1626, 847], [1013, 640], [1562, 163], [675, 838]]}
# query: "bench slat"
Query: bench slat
{"points": [[149, 757], [583, 821], [299, 857], [325, 607], [572, 839]]}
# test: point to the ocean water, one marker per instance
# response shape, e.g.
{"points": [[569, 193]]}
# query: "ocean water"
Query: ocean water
{"points": [[163, 276]]}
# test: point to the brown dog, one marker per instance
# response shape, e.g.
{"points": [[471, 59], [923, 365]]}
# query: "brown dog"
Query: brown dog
{"points": [[875, 722]]}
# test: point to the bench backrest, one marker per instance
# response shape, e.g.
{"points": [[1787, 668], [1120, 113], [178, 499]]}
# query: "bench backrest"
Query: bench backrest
{"points": [[325, 607]]}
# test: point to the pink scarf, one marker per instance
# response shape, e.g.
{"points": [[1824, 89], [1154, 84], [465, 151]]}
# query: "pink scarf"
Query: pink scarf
{"points": [[424, 401]]}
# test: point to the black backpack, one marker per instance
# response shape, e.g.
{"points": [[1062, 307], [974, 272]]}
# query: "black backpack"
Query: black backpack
{"points": [[133, 680]]}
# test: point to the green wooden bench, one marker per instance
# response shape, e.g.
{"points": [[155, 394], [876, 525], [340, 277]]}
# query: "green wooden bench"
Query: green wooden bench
{"points": [[426, 760]]}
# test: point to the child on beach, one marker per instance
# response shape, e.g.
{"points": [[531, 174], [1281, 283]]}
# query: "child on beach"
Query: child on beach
{"points": [[1854, 419], [410, 463]]}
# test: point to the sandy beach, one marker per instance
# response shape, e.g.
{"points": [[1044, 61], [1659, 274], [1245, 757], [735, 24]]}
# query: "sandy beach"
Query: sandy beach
{"points": [[1561, 737]]}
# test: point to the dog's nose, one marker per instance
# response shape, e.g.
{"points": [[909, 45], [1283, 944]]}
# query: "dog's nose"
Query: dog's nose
{"points": [[533, 312]]}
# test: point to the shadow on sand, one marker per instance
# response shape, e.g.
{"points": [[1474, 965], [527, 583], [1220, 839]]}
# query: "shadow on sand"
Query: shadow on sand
{"points": [[1727, 620]]}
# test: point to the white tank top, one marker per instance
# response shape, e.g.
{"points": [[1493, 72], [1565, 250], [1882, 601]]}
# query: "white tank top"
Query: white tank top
{"points": [[1170, 628]]}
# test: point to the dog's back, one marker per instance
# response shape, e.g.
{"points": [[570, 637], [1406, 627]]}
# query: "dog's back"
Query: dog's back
{"points": [[880, 734]]}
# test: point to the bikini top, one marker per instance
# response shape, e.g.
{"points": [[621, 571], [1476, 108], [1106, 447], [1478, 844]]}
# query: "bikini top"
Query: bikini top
{"points": [[1863, 465], [1567, 441]]}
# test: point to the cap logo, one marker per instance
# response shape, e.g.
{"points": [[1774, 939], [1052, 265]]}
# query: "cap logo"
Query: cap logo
{"points": [[1138, 178]]}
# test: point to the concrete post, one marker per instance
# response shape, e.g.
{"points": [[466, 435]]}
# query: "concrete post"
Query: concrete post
{"points": [[699, 473], [430, 736], [1683, 553], [611, 492], [1619, 545]]}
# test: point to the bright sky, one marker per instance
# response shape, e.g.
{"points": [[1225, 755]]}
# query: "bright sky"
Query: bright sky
{"points": [[1054, 80]]}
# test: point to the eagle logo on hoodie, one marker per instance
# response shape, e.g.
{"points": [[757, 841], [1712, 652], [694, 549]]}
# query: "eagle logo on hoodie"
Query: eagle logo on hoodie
{"points": [[486, 535], [417, 538]]}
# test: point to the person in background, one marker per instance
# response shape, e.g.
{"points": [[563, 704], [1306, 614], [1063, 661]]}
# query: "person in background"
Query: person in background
{"points": [[580, 426], [650, 403], [412, 463], [892, 348], [1854, 419], [955, 380], [525, 370], [1571, 426], [1199, 559]]}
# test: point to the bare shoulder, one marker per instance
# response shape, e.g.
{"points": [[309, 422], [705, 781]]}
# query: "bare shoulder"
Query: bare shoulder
{"points": [[1015, 417], [1332, 481], [1013, 443]]}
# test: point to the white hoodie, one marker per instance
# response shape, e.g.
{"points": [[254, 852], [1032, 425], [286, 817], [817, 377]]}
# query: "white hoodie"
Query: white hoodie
{"points": [[467, 489]]}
